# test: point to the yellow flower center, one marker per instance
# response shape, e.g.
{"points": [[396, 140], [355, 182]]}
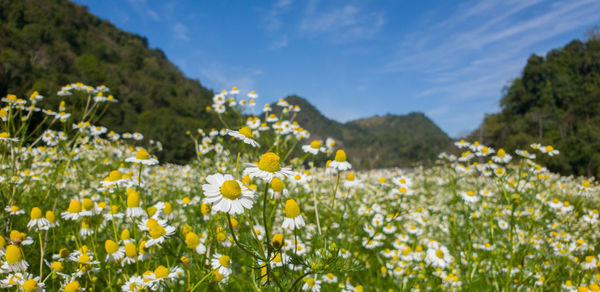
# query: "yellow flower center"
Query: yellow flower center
{"points": [[111, 246], [186, 200], [402, 190], [161, 272], [340, 156], [88, 204], [133, 198], [14, 208], [130, 250], [57, 266], [586, 184], [589, 259], [74, 207], [224, 261], [168, 208], [4, 135], [291, 209], [17, 236], [350, 176], [315, 144], [73, 287], [277, 240], [549, 148], [151, 223], [50, 216], [277, 184], [125, 234], [36, 213], [269, 162], [142, 154], [246, 131], [310, 282], [192, 240], [205, 208], [157, 231], [439, 253], [13, 254], [501, 152], [114, 175], [84, 259], [231, 189]]}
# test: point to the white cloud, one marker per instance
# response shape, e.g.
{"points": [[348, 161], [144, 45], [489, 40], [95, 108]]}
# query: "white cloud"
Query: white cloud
{"points": [[141, 6], [346, 23], [271, 18], [282, 43], [180, 31]]}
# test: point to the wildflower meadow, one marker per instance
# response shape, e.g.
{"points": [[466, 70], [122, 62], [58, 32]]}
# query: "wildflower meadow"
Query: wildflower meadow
{"points": [[263, 207]]}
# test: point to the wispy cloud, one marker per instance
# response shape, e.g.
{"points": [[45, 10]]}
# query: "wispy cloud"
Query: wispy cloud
{"points": [[180, 31], [469, 56], [142, 7], [345, 23], [271, 18], [219, 76], [279, 44]]}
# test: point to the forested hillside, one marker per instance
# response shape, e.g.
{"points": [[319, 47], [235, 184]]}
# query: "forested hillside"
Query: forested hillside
{"points": [[555, 101]]}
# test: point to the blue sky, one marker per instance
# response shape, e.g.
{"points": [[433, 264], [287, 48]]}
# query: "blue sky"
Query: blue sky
{"points": [[354, 59]]}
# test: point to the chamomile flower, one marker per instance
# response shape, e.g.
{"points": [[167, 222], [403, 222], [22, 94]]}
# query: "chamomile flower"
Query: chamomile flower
{"points": [[339, 163], [130, 254], [244, 134], [438, 256], [267, 168], [311, 284], [469, 196], [14, 261], [227, 194], [161, 277], [142, 156], [314, 147], [5, 137], [14, 210], [193, 242], [293, 216], [74, 211], [133, 204], [221, 263], [37, 221], [114, 253], [158, 234], [133, 284], [549, 150]]}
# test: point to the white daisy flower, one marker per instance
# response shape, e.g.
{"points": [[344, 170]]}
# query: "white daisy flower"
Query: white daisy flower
{"points": [[227, 195], [293, 217], [267, 168], [142, 156], [221, 263], [244, 134]]}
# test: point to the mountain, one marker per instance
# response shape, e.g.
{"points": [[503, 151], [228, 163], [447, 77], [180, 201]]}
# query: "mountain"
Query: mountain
{"points": [[376, 142], [555, 101], [47, 44]]}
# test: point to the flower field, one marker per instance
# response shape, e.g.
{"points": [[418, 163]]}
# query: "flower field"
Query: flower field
{"points": [[264, 208]]}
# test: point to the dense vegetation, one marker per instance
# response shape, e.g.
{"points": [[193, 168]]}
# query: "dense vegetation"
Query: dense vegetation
{"points": [[46, 44], [556, 101], [380, 141]]}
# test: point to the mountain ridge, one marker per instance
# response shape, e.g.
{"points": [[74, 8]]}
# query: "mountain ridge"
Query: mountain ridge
{"points": [[377, 141]]}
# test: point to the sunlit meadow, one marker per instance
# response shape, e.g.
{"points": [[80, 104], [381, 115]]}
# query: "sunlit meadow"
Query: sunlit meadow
{"points": [[262, 207]]}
